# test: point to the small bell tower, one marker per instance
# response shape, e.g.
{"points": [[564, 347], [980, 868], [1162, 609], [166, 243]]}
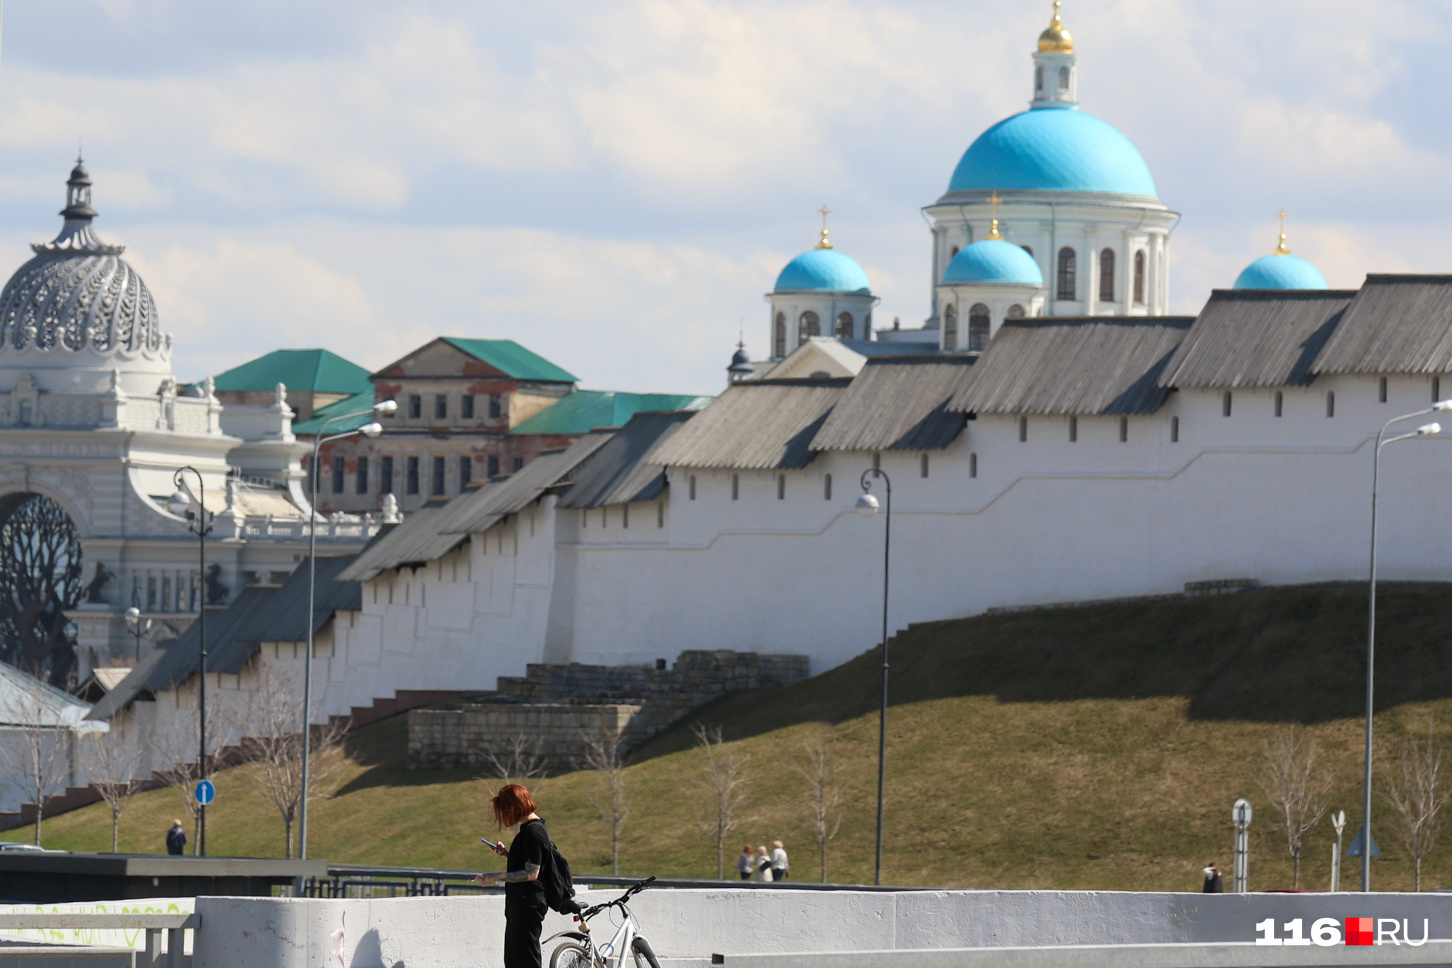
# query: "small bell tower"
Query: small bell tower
{"points": [[1056, 72]]}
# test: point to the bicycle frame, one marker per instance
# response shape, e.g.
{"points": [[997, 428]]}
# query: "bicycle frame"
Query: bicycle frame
{"points": [[610, 954]]}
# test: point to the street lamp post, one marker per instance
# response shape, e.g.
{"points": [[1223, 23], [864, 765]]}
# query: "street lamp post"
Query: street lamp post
{"points": [[1426, 430], [867, 505], [199, 524], [372, 429], [137, 625]]}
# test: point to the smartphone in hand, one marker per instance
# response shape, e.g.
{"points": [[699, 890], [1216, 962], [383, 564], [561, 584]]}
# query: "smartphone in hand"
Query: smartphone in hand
{"points": [[498, 848]]}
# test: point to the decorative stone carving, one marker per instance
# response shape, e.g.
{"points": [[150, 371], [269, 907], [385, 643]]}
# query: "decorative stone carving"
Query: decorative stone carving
{"points": [[389, 511], [216, 591], [98, 582]]}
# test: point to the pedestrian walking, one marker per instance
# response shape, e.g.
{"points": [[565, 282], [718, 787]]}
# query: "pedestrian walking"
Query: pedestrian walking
{"points": [[779, 865], [746, 863], [524, 896], [1213, 884], [176, 839], [762, 874]]}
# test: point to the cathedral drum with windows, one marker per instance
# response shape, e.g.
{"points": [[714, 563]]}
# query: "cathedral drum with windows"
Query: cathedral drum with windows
{"points": [[1067, 189], [821, 292]]}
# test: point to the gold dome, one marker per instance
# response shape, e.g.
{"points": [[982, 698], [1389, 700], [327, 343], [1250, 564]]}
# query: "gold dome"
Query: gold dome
{"points": [[1056, 40]]}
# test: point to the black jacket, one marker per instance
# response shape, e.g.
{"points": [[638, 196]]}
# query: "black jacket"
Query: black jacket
{"points": [[176, 839]]}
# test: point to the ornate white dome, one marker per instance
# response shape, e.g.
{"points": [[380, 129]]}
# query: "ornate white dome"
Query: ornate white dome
{"points": [[79, 301]]}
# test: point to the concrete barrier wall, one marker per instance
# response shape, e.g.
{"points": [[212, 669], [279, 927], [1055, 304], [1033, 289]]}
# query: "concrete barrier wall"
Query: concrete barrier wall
{"points": [[116, 937], [691, 925]]}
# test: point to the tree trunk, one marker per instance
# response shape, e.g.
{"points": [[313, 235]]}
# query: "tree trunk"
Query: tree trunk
{"points": [[115, 831], [823, 845], [1296, 871], [287, 836], [614, 854], [1417, 874], [39, 812], [720, 858]]}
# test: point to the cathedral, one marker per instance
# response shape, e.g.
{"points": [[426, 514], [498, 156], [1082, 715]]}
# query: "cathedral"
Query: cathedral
{"points": [[1050, 212]]}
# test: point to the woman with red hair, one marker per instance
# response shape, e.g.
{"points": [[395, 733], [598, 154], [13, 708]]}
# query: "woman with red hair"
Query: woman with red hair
{"points": [[524, 897]]}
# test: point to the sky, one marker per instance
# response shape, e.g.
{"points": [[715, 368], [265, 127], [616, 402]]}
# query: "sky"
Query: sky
{"points": [[616, 184]]}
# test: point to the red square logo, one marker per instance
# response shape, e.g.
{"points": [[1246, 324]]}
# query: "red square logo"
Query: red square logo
{"points": [[1359, 931]]}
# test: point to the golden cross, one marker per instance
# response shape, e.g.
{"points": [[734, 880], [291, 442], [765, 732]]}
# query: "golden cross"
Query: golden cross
{"points": [[1282, 216], [1281, 247], [993, 202], [825, 212], [1057, 5]]}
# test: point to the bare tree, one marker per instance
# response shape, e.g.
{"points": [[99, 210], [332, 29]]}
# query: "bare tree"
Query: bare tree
{"points": [[820, 771], [522, 761], [725, 780], [174, 748], [610, 800], [36, 757], [111, 764], [1298, 791], [1419, 791], [272, 730], [40, 577]]}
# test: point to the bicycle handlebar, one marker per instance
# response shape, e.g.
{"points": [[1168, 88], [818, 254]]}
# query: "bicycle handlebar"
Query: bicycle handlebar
{"points": [[630, 892]]}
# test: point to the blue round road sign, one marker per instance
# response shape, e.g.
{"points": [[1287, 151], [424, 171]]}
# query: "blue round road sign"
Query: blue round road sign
{"points": [[205, 792]]}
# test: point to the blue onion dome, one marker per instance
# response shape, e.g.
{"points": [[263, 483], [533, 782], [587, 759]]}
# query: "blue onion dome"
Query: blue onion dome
{"points": [[78, 294], [823, 270], [1053, 149], [1280, 270], [994, 262]]}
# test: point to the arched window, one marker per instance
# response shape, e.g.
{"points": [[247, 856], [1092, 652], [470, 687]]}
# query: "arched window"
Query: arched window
{"points": [[955, 251], [808, 324], [978, 328], [735, 487], [867, 326], [1038, 79], [1027, 248], [1280, 403], [1023, 430], [1063, 79], [1123, 429], [844, 325], [950, 329], [1225, 403], [1139, 278], [923, 466], [1330, 403], [1014, 312], [972, 465], [692, 486], [1066, 287], [781, 487], [827, 487], [1106, 275], [1174, 430], [1073, 430], [1381, 390], [778, 335]]}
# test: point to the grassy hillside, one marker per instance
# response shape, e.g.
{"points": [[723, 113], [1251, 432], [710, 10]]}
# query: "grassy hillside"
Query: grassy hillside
{"points": [[1087, 748]]}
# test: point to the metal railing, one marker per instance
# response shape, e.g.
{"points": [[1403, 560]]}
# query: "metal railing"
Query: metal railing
{"points": [[155, 955], [352, 880]]}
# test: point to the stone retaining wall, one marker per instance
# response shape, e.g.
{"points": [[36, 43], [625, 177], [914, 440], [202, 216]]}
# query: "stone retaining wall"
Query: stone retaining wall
{"points": [[558, 708]]}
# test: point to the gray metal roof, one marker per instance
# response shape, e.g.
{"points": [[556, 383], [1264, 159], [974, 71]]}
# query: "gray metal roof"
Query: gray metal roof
{"points": [[1256, 338], [1395, 324], [434, 530], [27, 701], [618, 472], [513, 494], [260, 613], [898, 404], [1091, 365], [754, 425]]}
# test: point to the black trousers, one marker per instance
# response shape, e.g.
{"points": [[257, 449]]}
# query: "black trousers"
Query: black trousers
{"points": [[778, 873], [522, 927]]}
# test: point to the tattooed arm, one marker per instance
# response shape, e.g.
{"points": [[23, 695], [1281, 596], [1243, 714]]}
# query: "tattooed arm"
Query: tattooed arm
{"points": [[530, 873]]}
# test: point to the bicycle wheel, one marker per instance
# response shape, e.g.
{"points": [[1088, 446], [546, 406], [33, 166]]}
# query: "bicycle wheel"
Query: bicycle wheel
{"points": [[644, 956], [571, 955]]}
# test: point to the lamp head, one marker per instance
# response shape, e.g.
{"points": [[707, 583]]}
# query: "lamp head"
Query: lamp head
{"points": [[179, 504], [866, 505], [1442, 406], [133, 614], [389, 406], [1429, 430], [371, 429]]}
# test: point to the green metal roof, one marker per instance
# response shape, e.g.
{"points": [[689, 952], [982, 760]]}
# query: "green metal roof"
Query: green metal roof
{"points": [[360, 401], [513, 360], [316, 370], [584, 410]]}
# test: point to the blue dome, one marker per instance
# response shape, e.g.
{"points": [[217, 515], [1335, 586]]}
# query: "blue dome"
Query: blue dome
{"points": [[1280, 272], [826, 270], [994, 261], [1053, 149]]}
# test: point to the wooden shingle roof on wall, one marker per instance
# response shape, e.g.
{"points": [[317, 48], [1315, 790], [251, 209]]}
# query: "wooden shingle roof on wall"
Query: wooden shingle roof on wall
{"points": [[754, 425], [898, 404], [1256, 338], [1084, 366], [1394, 324]]}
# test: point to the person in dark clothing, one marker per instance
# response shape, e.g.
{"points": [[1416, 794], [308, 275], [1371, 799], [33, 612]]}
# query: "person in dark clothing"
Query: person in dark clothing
{"points": [[176, 838], [1213, 884], [524, 898]]}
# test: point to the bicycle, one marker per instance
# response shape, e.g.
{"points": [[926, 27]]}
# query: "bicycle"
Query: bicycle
{"points": [[580, 951]]}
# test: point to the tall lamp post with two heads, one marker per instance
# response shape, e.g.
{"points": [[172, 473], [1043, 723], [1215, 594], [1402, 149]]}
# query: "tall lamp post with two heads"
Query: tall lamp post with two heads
{"points": [[867, 505], [371, 429], [1426, 430], [135, 624], [199, 523]]}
